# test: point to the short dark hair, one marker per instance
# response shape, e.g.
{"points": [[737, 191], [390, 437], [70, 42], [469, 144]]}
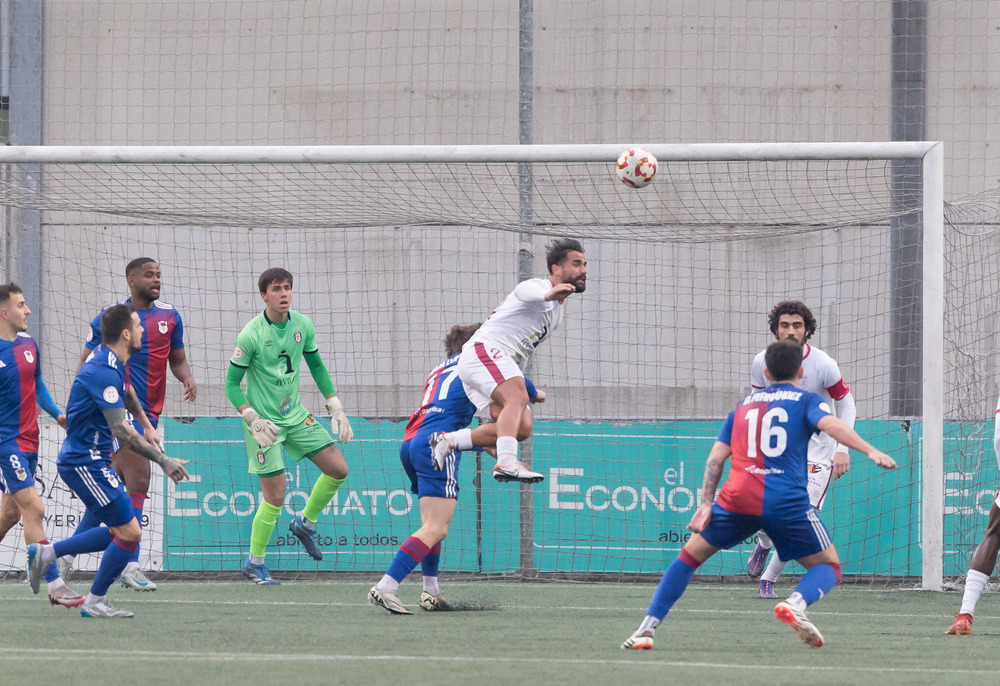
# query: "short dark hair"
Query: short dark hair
{"points": [[115, 319], [783, 359], [457, 337], [137, 263], [792, 307], [557, 250], [7, 290], [273, 275]]}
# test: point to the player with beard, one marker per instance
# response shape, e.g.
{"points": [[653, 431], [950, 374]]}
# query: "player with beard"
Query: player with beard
{"points": [[162, 345], [493, 359], [792, 321], [95, 421]]}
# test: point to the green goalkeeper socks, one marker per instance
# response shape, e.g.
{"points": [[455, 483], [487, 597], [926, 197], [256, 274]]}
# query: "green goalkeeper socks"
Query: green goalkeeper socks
{"points": [[263, 526], [322, 493]]}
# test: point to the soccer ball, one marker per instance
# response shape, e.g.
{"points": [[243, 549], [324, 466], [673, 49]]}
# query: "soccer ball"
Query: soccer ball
{"points": [[636, 167]]}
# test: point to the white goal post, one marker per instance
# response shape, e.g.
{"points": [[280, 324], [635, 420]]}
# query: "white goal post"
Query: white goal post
{"points": [[523, 195]]}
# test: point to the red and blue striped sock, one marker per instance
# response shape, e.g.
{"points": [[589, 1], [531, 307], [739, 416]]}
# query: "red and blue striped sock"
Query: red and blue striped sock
{"points": [[409, 556], [112, 564], [671, 587], [429, 565]]}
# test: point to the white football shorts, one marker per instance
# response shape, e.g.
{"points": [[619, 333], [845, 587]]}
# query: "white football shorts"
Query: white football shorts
{"points": [[482, 368]]}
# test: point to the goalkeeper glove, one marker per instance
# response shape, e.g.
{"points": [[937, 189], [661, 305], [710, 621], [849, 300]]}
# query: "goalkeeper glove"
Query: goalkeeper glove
{"points": [[265, 432], [338, 420]]}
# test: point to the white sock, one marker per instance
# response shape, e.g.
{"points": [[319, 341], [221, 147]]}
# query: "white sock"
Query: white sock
{"points": [[649, 623], [387, 583], [774, 569], [130, 566], [975, 583], [48, 553], [431, 585], [764, 540], [91, 598], [796, 600], [460, 440], [254, 560], [56, 583], [506, 451], [309, 525]]}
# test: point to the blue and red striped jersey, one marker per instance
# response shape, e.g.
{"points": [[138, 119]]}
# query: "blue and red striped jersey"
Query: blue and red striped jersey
{"points": [[147, 369], [20, 372], [769, 434], [444, 407]]}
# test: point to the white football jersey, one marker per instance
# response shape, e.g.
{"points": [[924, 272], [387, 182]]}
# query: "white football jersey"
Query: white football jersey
{"points": [[820, 375], [522, 321]]}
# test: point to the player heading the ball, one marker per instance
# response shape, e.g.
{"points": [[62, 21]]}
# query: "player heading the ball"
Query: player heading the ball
{"points": [[268, 352], [493, 359], [767, 435]]}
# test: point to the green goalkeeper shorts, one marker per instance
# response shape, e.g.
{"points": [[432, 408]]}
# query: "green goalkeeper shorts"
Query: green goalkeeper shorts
{"points": [[300, 441]]}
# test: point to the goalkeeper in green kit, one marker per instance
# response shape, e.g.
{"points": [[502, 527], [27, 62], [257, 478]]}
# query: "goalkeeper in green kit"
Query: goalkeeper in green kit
{"points": [[268, 351]]}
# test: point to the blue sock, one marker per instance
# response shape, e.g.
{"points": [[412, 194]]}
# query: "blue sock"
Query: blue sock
{"points": [[672, 585], [429, 565], [137, 500], [52, 572], [112, 564], [410, 554], [87, 522], [90, 541], [817, 582]]}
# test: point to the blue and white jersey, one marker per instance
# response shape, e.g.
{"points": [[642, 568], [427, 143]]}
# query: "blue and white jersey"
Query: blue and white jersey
{"points": [[769, 434], [101, 384]]}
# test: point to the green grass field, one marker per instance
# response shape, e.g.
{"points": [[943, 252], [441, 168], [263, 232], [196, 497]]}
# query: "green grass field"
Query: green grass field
{"points": [[504, 633]]}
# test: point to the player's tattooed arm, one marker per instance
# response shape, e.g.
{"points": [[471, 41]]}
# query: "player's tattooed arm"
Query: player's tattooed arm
{"points": [[150, 434], [713, 474], [130, 438]]}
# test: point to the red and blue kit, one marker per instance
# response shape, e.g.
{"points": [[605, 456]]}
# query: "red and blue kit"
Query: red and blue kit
{"points": [[162, 333]]}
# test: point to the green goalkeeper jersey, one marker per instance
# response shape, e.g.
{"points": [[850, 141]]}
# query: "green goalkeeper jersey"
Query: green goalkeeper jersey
{"points": [[271, 355]]}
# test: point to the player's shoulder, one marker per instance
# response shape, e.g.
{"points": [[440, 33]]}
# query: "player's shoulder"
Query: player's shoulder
{"points": [[758, 359], [299, 319], [160, 305], [24, 337], [817, 356]]}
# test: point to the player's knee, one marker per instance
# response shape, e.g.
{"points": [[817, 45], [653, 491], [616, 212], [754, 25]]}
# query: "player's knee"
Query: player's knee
{"points": [[339, 471], [130, 532]]}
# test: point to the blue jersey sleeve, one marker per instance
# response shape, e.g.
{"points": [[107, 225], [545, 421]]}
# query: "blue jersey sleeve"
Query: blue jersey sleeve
{"points": [[532, 391], [816, 409], [42, 395], [94, 335], [107, 387], [177, 337], [726, 434]]}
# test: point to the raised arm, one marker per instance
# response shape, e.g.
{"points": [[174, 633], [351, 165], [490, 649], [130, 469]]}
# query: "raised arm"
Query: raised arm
{"points": [[130, 438], [844, 434], [714, 467]]}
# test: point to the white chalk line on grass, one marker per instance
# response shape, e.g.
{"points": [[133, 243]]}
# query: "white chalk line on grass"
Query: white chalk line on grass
{"points": [[485, 602], [133, 655]]}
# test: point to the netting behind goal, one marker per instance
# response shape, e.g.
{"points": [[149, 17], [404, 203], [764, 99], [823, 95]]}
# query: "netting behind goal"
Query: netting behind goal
{"points": [[386, 257]]}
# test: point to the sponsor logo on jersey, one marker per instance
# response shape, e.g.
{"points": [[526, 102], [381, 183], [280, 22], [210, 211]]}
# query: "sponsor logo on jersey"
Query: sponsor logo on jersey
{"points": [[286, 405], [268, 342], [161, 326], [111, 394], [298, 336], [238, 353], [28, 356], [260, 457]]}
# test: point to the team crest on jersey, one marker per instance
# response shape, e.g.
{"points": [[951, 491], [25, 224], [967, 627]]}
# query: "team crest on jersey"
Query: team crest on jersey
{"points": [[298, 336], [260, 457], [21, 474], [29, 356], [161, 326], [238, 353], [310, 421], [111, 394]]}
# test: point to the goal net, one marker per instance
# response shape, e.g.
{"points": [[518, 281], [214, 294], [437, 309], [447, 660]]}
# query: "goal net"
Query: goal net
{"points": [[391, 246]]}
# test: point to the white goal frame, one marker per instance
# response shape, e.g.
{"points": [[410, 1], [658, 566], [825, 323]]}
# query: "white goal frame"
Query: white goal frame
{"points": [[930, 154]]}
